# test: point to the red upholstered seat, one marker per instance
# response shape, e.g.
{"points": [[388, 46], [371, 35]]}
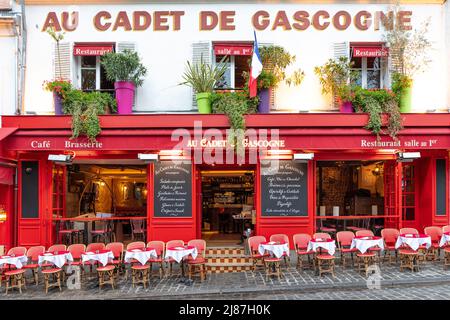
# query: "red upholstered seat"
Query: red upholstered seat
{"points": [[77, 263], [106, 268], [115, 261], [31, 266], [14, 272], [272, 259], [304, 252], [53, 270], [325, 257], [367, 254], [156, 260], [140, 267], [407, 251], [198, 260], [346, 250]]}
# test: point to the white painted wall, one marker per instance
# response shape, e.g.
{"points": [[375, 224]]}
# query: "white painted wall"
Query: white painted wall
{"points": [[8, 73], [165, 53]]}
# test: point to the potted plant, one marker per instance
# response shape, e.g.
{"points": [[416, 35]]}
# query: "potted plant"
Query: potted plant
{"points": [[203, 77], [337, 77], [275, 60], [409, 53], [59, 88], [127, 72]]}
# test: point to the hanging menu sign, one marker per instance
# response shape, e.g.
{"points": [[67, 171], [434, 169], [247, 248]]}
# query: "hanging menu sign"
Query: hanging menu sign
{"points": [[173, 190], [284, 189]]}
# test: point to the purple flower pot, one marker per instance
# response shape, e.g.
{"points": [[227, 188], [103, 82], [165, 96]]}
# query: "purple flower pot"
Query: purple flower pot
{"points": [[264, 100], [346, 107], [57, 101], [124, 96]]}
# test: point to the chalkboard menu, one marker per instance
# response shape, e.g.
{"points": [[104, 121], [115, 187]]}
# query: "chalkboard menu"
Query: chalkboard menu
{"points": [[284, 189], [173, 189]]}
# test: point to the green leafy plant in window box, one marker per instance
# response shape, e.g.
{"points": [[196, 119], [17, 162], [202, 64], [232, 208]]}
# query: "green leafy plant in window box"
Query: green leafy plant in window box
{"points": [[85, 107]]}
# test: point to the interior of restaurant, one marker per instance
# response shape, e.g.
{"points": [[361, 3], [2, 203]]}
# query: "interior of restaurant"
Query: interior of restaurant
{"points": [[108, 191], [228, 205], [352, 189]]}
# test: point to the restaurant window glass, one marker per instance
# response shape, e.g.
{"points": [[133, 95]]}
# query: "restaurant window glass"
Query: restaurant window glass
{"points": [[368, 63], [233, 77], [92, 75]]}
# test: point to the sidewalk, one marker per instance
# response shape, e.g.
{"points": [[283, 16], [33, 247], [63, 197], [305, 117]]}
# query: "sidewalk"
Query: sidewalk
{"points": [[235, 283]]}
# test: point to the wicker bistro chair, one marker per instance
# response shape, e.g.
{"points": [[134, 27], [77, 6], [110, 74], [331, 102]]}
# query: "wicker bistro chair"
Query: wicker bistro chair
{"points": [[377, 250], [390, 236], [255, 256], [33, 258], [200, 261], [171, 261], [131, 246], [301, 241], [139, 273], [282, 238], [435, 233], [324, 260], [422, 251], [344, 241], [159, 247], [117, 250], [76, 250], [92, 247]]}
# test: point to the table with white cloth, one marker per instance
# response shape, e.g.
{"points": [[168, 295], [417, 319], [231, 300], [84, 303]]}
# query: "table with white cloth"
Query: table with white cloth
{"points": [[327, 244], [17, 261], [179, 253], [102, 256], [365, 243], [277, 249], [140, 255], [59, 258], [444, 239], [414, 241]]}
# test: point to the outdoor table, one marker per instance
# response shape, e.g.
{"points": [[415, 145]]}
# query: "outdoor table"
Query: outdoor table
{"points": [[140, 255], [179, 253], [17, 261], [327, 244], [444, 239], [102, 256], [58, 258], [414, 241], [365, 243], [275, 248]]}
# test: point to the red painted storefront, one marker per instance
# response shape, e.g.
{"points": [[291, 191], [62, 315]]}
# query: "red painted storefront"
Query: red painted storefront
{"points": [[338, 137]]}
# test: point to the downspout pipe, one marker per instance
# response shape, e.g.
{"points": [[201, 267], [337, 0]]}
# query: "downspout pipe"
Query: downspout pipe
{"points": [[22, 61]]}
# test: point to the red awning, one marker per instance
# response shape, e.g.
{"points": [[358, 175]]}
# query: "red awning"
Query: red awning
{"points": [[6, 176], [233, 50], [91, 50], [370, 52]]}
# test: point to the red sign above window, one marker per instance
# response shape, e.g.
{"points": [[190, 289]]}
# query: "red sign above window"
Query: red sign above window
{"points": [[370, 52], [82, 50], [231, 50]]}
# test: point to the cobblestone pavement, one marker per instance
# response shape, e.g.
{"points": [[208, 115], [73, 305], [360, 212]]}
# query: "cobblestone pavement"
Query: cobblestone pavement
{"points": [[217, 285]]}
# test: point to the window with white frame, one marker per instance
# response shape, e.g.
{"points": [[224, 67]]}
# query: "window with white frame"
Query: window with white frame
{"points": [[237, 57], [369, 62]]}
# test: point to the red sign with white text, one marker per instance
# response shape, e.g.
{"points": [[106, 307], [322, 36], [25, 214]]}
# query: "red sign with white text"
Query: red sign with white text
{"points": [[233, 50], [370, 52], [91, 50]]}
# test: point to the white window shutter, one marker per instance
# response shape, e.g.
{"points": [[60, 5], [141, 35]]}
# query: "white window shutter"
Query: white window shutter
{"points": [[62, 64], [121, 46], [341, 49], [201, 51], [274, 90]]}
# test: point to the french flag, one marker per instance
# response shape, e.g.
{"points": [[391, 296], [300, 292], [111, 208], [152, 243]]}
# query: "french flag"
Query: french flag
{"points": [[255, 69]]}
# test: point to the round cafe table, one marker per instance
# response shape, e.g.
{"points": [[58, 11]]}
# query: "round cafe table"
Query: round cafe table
{"points": [[58, 258], [444, 239], [141, 255], [102, 256], [276, 248], [414, 241], [327, 244], [365, 243], [17, 261], [179, 253]]}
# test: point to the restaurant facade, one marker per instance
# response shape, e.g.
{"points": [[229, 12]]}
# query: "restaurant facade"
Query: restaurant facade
{"points": [[305, 166]]}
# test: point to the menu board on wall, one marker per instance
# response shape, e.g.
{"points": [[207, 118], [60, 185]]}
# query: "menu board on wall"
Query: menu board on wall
{"points": [[284, 189], [173, 189]]}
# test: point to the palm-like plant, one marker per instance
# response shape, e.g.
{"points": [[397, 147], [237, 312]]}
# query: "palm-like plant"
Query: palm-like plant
{"points": [[203, 77]]}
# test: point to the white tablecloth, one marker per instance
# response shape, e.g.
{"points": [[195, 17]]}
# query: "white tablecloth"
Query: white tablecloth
{"points": [[413, 242], [444, 239], [103, 257], [364, 244], [330, 246], [57, 259], [277, 249], [178, 253], [17, 261], [141, 256]]}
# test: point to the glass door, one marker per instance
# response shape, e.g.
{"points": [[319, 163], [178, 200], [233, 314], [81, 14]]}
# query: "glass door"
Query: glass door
{"points": [[409, 215]]}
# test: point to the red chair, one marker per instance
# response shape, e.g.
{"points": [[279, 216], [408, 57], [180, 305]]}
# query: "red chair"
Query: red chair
{"points": [[321, 235], [408, 231], [199, 261], [301, 241], [136, 245], [390, 236], [436, 234], [253, 245], [17, 251], [344, 241], [117, 250], [76, 250], [282, 238], [159, 247], [369, 233], [33, 258], [171, 244], [93, 247], [446, 229], [57, 247]]}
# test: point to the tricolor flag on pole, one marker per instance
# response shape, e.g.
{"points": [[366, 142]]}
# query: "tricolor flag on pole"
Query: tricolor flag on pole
{"points": [[255, 69]]}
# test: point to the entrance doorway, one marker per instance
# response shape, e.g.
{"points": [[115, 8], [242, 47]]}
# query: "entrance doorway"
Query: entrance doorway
{"points": [[228, 206]]}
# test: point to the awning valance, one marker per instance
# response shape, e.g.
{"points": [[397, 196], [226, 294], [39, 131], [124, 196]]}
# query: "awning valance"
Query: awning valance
{"points": [[91, 50], [370, 52], [233, 50], [6, 175]]}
